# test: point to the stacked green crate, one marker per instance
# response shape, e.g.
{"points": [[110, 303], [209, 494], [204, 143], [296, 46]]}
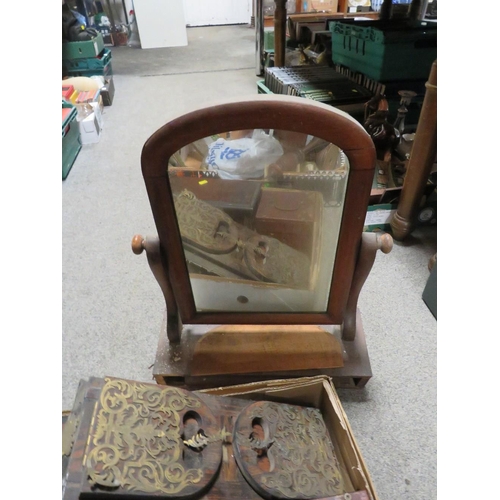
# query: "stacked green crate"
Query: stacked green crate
{"points": [[82, 50], [100, 65], [71, 144], [385, 50], [86, 58]]}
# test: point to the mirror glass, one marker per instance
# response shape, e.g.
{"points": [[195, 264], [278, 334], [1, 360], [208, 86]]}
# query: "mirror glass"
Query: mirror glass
{"points": [[259, 214]]}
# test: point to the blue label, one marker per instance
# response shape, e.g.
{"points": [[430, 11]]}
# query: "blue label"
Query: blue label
{"points": [[231, 154]]}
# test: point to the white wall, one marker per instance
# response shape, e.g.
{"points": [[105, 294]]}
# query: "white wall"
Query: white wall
{"points": [[201, 12], [214, 12], [161, 23]]}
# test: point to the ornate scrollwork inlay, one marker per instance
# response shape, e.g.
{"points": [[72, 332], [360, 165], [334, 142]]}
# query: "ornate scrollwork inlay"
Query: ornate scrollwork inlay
{"points": [[266, 259], [270, 260], [136, 440], [302, 461], [205, 226], [200, 439]]}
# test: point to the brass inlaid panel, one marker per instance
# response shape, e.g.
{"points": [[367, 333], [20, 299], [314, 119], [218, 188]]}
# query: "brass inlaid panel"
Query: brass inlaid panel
{"points": [[284, 451], [261, 258], [271, 261], [205, 226], [152, 439]]}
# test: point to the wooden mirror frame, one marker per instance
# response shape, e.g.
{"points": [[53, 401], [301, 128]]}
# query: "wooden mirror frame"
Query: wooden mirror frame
{"points": [[259, 112]]}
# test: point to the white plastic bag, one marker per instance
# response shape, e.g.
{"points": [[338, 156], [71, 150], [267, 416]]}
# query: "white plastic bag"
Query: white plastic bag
{"points": [[244, 158]]}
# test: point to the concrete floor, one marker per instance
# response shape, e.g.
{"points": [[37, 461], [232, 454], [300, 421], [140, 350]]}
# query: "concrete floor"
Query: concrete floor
{"points": [[112, 306], [209, 50]]}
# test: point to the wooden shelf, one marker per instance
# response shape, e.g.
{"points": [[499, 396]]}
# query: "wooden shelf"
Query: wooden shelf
{"points": [[317, 17]]}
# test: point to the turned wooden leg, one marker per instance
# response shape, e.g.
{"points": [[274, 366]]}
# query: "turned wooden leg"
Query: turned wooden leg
{"points": [[370, 243], [420, 164], [159, 269], [432, 262]]}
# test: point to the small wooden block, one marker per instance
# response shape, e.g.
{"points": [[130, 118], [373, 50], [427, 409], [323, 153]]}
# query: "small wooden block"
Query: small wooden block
{"points": [[291, 216], [234, 349]]}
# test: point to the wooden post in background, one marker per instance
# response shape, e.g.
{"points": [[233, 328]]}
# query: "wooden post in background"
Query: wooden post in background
{"points": [[259, 37], [279, 33], [422, 158]]}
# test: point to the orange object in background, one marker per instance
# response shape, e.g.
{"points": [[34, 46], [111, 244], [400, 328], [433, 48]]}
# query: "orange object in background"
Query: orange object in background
{"points": [[67, 91], [86, 96], [65, 113]]}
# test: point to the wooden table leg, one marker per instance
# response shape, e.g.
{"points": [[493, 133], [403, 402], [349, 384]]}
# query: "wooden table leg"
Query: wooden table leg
{"points": [[422, 158]]}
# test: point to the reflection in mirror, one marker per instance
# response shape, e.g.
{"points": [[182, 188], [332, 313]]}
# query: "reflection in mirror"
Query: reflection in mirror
{"points": [[259, 214]]}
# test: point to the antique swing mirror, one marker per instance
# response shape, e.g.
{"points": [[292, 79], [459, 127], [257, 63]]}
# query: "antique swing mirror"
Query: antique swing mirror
{"points": [[259, 205]]}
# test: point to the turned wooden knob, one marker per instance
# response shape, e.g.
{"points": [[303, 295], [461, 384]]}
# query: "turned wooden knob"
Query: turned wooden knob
{"points": [[137, 244], [386, 243], [432, 262]]}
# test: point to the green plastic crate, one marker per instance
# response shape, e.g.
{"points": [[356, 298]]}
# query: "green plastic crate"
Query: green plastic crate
{"points": [[81, 50], [71, 144], [261, 88], [269, 39], [385, 50], [70, 116], [89, 63], [106, 71]]}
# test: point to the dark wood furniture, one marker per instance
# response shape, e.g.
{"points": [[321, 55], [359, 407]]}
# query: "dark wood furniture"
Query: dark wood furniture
{"points": [[354, 252]]}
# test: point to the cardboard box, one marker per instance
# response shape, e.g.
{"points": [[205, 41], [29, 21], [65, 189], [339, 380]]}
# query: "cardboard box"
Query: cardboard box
{"points": [[97, 107], [108, 92], [82, 434], [90, 128], [320, 6], [320, 393]]}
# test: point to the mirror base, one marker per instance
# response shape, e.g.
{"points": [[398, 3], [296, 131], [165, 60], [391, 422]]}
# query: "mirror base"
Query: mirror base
{"points": [[222, 356]]}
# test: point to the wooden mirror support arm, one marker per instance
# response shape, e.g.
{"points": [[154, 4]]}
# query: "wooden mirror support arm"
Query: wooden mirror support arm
{"points": [[152, 247], [370, 243]]}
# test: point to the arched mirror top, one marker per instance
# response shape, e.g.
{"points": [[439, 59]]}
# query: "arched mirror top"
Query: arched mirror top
{"points": [[293, 114], [260, 208]]}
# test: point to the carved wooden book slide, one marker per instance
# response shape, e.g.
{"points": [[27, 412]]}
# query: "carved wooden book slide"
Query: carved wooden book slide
{"points": [[284, 451], [136, 440]]}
